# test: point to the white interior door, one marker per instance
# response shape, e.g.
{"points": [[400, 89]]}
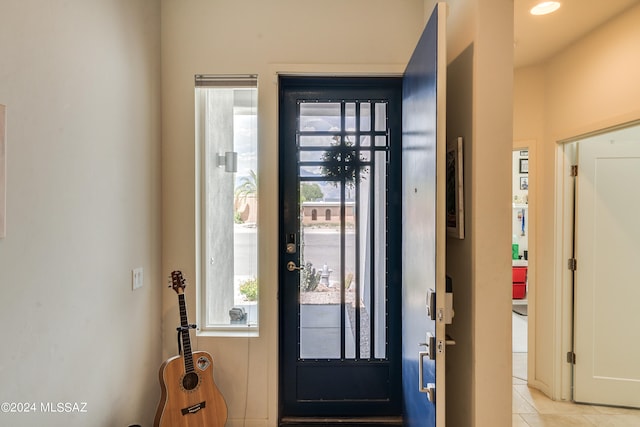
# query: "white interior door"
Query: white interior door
{"points": [[607, 292]]}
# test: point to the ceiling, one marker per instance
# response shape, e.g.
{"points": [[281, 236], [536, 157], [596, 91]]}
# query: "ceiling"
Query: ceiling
{"points": [[537, 38]]}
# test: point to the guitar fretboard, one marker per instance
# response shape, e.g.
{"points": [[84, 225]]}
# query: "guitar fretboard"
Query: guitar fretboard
{"points": [[186, 339]]}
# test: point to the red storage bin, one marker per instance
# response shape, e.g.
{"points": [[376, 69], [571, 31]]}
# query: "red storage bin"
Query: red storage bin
{"points": [[519, 282], [519, 290], [519, 274]]}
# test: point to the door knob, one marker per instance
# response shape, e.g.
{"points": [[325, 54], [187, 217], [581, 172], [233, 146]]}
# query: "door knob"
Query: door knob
{"points": [[291, 266]]}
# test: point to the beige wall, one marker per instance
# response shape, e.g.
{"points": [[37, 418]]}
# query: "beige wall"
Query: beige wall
{"points": [[479, 107], [590, 86], [81, 83]]}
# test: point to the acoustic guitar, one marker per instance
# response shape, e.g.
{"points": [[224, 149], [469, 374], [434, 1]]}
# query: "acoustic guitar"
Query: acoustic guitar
{"points": [[190, 396]]}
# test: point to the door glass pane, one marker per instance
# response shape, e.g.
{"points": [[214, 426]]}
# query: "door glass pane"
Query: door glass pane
{"points": [[320, 257], [315, 156], [381, 116], [350, 116], [350, 277], [310, 171], [316, 140], [320, 116], [379, 257], [365, 116], [342, 234]]}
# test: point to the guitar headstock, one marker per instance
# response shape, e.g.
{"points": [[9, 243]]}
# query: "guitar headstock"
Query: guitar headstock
{"points": [[177, 281]]}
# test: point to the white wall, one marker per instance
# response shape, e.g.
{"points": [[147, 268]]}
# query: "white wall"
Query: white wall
{"points": [[81, 84], [590, 86]]}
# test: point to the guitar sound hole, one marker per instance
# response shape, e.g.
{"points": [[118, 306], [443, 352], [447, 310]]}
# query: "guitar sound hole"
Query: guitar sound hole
{"points": [[190, 381]]}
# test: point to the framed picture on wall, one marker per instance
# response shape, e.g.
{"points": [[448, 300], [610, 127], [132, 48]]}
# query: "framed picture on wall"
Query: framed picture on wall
{"points": [[524, 165], [455, 189], [524, 183]]}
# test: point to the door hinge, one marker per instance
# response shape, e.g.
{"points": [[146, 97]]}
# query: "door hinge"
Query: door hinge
{"points": [[571, 357], [574, 170], [572, 264]]}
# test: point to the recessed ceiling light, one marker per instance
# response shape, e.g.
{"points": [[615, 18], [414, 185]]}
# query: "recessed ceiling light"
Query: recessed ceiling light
{"points": [[545, 8]]}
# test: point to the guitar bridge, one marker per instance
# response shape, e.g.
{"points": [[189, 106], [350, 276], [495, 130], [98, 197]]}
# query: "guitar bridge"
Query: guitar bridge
{"points": [[193, 408]]}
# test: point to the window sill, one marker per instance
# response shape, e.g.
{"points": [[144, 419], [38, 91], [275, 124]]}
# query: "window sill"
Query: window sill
{"points": [[230, 331]]}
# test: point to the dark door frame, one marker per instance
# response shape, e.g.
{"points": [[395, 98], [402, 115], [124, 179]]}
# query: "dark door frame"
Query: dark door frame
{"points": [[328, 88]]}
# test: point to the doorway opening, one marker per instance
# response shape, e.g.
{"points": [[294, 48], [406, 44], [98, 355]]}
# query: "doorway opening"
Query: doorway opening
{"points": [[598, 234], [520, 261]]}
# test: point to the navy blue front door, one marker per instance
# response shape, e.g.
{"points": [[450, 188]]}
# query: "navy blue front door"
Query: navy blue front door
{"points": [[423, 223]]}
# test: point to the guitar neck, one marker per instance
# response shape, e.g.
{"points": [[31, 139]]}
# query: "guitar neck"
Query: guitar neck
{"points": [[187, 354]]}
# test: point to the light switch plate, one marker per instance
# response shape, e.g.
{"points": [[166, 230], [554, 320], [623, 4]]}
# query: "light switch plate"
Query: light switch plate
{"points": [[137, 278]]}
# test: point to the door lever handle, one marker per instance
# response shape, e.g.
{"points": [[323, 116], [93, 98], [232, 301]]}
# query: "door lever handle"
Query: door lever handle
{"points": [[291, 266], [431, 347]]}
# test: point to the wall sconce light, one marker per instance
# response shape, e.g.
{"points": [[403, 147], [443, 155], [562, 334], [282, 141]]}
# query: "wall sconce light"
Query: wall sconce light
{"points": [[229, 160]]}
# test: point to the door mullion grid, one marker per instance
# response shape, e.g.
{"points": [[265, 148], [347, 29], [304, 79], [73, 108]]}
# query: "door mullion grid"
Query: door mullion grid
{"points": [[372, 231], [356, 227], [342, 241], [299, 228], [342, 233]]}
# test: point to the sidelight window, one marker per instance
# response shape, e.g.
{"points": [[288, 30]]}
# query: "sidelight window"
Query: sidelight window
{"points": [[227, 202]]}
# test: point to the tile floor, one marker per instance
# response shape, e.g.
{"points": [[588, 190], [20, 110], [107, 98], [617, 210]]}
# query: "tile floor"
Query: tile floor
{"points": [[531, 408]]}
